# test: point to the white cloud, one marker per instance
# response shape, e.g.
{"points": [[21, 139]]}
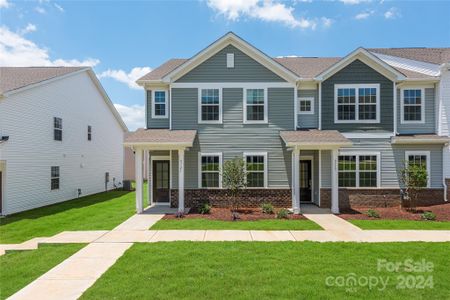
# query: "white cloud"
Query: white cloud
{"points": [[40, 10], [15, 50], [392, 13], [326, 22], [124, 77], [29, 28], [353, 2], [59, 7], [364, 15], [4, 4], [133, 116], [267, 10]]}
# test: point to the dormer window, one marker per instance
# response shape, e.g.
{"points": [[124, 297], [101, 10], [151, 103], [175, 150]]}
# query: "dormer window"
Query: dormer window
{"points": [[159, 104]]}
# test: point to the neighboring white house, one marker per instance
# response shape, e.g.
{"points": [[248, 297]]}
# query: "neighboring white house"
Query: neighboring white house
{"points": [[60, 137]]}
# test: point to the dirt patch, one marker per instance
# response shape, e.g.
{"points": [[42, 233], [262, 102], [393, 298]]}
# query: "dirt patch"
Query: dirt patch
{"points": [[441, 211], [245, 214]]}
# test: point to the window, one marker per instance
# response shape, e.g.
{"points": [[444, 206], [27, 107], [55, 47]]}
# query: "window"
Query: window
{"points": [[209, 167], [255, 166], [419, 158], [54, 178], [360, 170], [210, 106], [306, 105], [89, 133], [230, 60], [159, 109], [255, 106], [412, 106], [357, 103], [57, 129]]}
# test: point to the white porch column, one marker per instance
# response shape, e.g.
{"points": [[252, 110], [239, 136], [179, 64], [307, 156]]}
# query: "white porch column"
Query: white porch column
{"points": [[139, 180], [296, 181], [181, 180], [148, 163], [334, 182]]}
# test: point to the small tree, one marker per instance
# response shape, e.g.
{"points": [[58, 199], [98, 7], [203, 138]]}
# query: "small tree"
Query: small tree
{"points": [[234, 179], [414, 178]]}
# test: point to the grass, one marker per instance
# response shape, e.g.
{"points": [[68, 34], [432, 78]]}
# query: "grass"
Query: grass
{"points": [[271, 224], [19, 268], [258, 270], [401, 224], [101, 211]]}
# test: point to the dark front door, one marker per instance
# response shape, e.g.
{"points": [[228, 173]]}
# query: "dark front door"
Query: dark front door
{"points": [[305, 181], [161, 175]]}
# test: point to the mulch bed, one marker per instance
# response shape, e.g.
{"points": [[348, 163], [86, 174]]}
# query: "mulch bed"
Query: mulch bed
{"points": [[245, 214], [441, 211]]}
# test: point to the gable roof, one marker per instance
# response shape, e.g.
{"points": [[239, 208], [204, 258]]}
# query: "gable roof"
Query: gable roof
{"points": [[430, 55], [13, 78], [164, 69]]}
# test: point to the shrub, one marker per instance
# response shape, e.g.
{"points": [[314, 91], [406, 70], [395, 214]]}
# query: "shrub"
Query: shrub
{"points": [[234, 178], [282, 214], [267, 208], [428, 215], [414, 178], [373, 213], [205, 209]]}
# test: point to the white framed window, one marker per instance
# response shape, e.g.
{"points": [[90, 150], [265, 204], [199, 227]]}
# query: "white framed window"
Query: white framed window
{"points": [[210, 106], [57, 129], [359, 169], [159, 104], [209, 170], [54, 178], [256, 169], [357, 103], [420, 158], [230, 60], [412, 108], [255, 106], [306, 105]]}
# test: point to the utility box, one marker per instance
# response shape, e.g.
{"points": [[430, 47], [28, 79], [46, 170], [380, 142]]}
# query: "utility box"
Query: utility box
{"points": [[127, 185]]}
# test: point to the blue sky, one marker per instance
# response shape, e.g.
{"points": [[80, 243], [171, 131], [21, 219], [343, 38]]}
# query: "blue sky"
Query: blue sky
{"points": [[123, 40]]}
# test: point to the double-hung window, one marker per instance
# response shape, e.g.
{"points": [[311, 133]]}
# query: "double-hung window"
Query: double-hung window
{"points": [[357, 103], [255, 106], [412, 106], [359, 170], [210, 167], [57, 129], [256, 169], [159, 104], [89, 133], [54, 178], [210, 106], [306, 105], [420, 159]]}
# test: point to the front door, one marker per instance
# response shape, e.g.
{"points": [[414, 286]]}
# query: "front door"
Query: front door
{"points": [[161, 181], [305, 181]]}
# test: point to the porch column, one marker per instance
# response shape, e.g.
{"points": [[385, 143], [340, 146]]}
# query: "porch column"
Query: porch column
{"points": [[139, 180], [148, 163], [181, 180], [296, 181], [334, 182]]}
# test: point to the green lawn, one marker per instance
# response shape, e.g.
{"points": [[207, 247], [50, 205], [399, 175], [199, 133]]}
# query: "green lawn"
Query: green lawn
{"points": [[199, 224], [101, 211], [258, 270], [19, 268], [401, 224]]}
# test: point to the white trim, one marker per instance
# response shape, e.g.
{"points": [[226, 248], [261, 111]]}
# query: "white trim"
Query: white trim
{"points": [[230, 60], [364, 135], [295, 108], [311, 100], [170, 108], [266, 107], [310, 158], [240, 84], [356, 87], [166, 105], [159, 157], [395, 107], [320, 106], [181, 166], [320, 174], [402, 105], [296, 180], [421, 153], [266, 167], [358, 154], [199, 106], [200, 155]]}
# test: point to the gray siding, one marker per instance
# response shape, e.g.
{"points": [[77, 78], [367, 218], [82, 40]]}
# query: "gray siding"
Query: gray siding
{"points": [[326, 168], [355, 73], [309, 121], [246, 69], [430, 122], [232, 138], [152, 122]]}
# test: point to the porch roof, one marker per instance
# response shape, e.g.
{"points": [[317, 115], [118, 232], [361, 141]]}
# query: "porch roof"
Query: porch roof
{"points": [[420, 139], [314, 138], [160, 138]]}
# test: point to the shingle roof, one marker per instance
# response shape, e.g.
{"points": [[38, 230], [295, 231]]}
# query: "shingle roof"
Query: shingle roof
{"points": [[12, 78], [420, 138], [163, 69], [314, 137], [431, 55], [307, 67], [161, 137]]}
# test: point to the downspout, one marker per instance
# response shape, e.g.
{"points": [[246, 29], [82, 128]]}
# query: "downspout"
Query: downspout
{"points": [[320, 105], [395, 109], [444, 148]]}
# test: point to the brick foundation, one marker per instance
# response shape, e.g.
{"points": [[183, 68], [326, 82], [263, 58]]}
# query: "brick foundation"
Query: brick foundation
{"points": [[194, 198], [448, 188]]}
